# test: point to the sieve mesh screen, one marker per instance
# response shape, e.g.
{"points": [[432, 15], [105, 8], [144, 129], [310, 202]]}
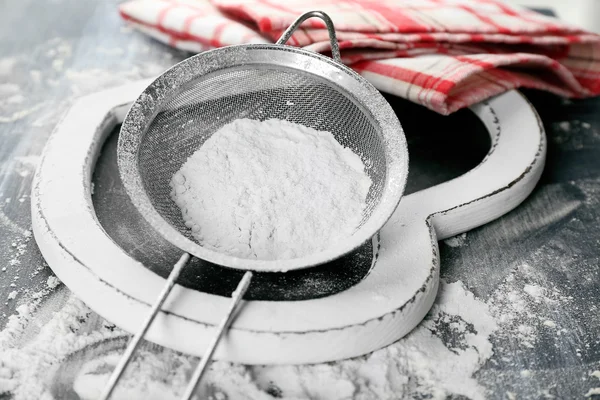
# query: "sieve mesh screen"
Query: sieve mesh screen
{"points": [[204, 105]]}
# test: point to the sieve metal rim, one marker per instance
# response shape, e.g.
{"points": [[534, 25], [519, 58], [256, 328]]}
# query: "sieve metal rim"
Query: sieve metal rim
{"points": [[148, 104]]}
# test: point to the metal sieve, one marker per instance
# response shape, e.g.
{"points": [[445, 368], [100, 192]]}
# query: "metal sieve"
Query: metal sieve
{"points": [[183, 107]]}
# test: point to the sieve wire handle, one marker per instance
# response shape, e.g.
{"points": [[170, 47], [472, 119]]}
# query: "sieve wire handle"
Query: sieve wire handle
{"points": [[335, 48], [236, 298], [137, 338]]}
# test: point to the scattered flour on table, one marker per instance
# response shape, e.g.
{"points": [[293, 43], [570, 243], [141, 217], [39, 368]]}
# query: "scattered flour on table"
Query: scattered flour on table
{"points": [[17, 115], [20, 99], [536, 292], [573, 134], [523, 310], [456, 241], [594, 391], [271, 190], [110, 51], [549, 323], [8, 89], [30, 353], [7, 65], [564, 125], [52, 282], [436, 360]]}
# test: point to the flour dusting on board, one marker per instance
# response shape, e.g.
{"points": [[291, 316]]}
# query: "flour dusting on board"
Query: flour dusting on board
{"points": [[271, 190], [436, 360]]}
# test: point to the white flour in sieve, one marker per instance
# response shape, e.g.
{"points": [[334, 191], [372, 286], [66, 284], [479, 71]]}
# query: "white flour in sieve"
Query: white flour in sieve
{"points": [[271, 190]]}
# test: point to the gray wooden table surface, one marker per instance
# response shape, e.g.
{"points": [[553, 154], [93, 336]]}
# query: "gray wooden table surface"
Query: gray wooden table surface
{"points": [[53, 51]]}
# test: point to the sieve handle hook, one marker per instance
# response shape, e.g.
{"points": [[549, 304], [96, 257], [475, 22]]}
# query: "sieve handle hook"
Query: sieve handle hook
{"points": [[335, 48]]}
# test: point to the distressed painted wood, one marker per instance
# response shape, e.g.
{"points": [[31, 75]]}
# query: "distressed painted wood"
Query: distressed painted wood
{"points": [[391, 300]]}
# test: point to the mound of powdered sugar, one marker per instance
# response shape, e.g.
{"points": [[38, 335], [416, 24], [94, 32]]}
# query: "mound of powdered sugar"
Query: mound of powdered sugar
{"points": [[271, 190]]}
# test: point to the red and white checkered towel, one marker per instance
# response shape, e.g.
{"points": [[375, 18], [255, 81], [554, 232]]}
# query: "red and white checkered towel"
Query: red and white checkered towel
{"points": [[443, 54]]}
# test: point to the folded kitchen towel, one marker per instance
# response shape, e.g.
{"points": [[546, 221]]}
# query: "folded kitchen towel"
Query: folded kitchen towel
{"points": [[443, 54]]}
